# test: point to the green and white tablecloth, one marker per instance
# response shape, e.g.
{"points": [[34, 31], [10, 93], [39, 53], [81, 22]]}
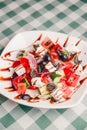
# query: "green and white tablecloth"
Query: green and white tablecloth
{"points": [[67, 16]]}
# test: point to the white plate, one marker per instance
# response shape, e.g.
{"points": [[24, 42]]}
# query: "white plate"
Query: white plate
{"points": [[24, 39]]}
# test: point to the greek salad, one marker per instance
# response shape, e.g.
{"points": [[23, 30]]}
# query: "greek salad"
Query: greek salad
{"points": [[47, 72]]}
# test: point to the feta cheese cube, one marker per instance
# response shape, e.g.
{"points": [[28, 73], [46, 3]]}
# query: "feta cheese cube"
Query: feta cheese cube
{"points": [[50, 67], [20, 70], [57, 94], [37, 82], [41, 50]]}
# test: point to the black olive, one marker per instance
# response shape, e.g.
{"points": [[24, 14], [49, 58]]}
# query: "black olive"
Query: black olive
{"points": [[33, 73], [40, 67], [44, 63], [21, 53], [14, 75], [53, 99], [25, 97], [62, 55], [47, 57], [76, 60], [51, 87]]}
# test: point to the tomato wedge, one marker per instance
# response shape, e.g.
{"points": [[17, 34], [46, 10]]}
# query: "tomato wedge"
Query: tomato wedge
{"points": [[25, 63], [33, 87], [21, 88], [54, 55], [73, 79], [16, 63], [67, 93], [55, 47], [67, 67], [16, 80]]}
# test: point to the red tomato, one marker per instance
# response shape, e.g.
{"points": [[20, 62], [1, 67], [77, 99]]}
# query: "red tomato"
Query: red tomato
{"points": [[45, 79], [25, 63], [21, 88], [17, 80], [16, 63], [64, 83], [67, 93], [55, 47], [67, 67], [27, 77], [54, 55], [33, 87], [47, 43], [73, 79]]}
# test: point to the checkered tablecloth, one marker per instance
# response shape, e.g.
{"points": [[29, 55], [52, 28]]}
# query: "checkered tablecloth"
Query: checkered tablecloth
{"points": [[67, 16]]}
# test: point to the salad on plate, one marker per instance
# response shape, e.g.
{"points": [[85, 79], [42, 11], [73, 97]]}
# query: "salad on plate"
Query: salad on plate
{"points": [[45, 70]]}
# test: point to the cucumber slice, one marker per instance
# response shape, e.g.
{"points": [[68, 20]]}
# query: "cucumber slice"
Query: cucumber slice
{"points": [[43, 90], [56, 80], [54, 75], [26, 81]]}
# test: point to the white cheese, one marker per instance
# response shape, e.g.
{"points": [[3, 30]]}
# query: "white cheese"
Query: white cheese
{"points": [[20, 70], [32, 93], [41, 50], [37, 82], [57, 94], [50, 67]]}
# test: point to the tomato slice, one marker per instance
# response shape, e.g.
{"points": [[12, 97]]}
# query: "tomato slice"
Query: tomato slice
{"points": [[67, 93], [73, 79], [33, 87], [47, 43], [54, 55], [16, 80], [25, 63], [16, 63], [67, 67], [21, 88], [55, 47]]}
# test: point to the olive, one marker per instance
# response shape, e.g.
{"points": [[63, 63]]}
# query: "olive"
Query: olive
{"points": [[51, 87], [14, 75], [76, 60], [47, 57], [44, 63], [25, 97], [40, 67], [33, 73], [21, 53], [53, 99], [62, 55]]}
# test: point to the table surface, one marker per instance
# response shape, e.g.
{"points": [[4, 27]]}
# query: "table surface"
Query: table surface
{"points": [[66, 16]]}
